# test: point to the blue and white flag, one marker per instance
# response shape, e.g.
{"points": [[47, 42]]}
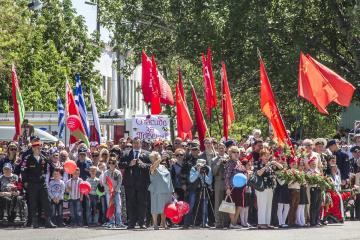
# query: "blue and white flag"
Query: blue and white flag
{"points": [[80, 102], [61, 116], [95, 116]]}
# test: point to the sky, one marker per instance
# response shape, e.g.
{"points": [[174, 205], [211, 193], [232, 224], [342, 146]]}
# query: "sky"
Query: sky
{"points": [[89, 12]]}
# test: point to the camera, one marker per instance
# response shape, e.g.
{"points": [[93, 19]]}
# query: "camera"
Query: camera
{"points": [[204, 170]]}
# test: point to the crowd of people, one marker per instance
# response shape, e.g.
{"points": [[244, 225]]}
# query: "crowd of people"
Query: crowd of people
{"points": [[138, 178]]}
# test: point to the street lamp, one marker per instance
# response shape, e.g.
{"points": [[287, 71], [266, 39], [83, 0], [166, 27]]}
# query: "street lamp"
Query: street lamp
{"points": [[35, 5]]}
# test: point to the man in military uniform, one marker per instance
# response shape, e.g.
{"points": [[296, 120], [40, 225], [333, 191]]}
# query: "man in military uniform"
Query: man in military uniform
{"points": [[36, 165], [355, 152], [342, 161]]}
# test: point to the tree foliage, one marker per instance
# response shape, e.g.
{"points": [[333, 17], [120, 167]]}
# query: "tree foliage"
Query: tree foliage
{"points": [[47, 47], [177, 31]]}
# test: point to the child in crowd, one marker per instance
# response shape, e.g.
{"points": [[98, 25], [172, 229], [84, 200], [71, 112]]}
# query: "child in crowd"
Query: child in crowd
{"points": [[75, 198], [100, 191], [300, 212], [56, 191], [244, 211], [113, 195], [294, 190], [283, 195], [92, 201]]}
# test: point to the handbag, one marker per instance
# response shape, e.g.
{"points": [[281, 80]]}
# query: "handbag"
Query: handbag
{"points": [[256, 182], [227, 207]]}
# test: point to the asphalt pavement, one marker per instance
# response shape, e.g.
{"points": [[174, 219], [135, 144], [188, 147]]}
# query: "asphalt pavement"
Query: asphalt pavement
{"points": [[348, 231]]}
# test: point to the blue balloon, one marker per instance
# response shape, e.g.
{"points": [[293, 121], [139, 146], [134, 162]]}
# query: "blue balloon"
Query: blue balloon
{"points": [[239, 180]]}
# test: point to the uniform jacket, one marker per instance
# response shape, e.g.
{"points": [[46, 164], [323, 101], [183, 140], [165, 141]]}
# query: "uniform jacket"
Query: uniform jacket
{"points": [[35, 171]]}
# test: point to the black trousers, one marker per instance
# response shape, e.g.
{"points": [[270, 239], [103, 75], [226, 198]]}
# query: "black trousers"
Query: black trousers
{"points": [[180, 193], [136, 205], [315, 204], [9, 205], [38, 198], [57, 213]]}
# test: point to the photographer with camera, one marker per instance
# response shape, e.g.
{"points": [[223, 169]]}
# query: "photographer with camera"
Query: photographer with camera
{"points": [[200, 182]]}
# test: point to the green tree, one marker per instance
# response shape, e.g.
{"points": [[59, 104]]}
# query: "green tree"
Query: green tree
{"points": [[48, 47], [177, 31]]}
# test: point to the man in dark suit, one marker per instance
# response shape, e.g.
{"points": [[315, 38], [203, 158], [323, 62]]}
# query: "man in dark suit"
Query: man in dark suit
{"points": [[136, 164]]}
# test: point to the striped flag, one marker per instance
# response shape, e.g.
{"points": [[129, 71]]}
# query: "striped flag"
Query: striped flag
{"points": [[19, 109], [95, 117], [80, 102], [73, 119], [61, 116]]}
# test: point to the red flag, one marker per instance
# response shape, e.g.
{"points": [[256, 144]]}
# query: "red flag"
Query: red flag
{"points": [[184, 121], [181, 133], [19, 109], [313, 86], [200, 121], [155, 97], [146, 77], [209, 83], [111, 208], [181, 88], [151, 74], [226, 103], [270, 109], [73, 119], [166, 96], [344, 89]]}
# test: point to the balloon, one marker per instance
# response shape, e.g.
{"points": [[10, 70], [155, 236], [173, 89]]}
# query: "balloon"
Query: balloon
{"points": [[176, 219], [239, 180], [85, 187], [182, 207], [170, 210], [70, 166], [73, 122]]}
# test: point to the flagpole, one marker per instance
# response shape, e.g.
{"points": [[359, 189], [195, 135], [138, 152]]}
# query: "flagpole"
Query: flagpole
{"points": [[66, 111]]}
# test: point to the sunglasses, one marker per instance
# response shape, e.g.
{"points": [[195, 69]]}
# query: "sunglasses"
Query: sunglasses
{"points": [[95, 155], [112, 163], [179, 155], [12, 149], [56, 155]]}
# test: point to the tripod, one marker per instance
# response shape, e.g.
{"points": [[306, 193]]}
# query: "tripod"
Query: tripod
{"points": [[204, 197]]}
